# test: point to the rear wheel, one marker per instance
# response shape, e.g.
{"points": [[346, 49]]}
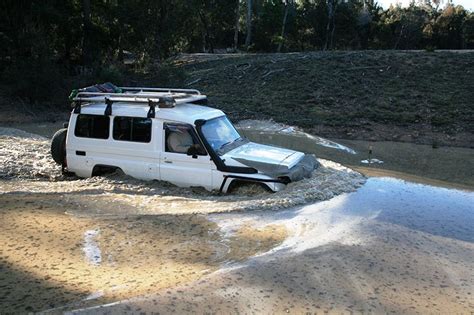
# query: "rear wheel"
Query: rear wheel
{"points": [[58, 147]]}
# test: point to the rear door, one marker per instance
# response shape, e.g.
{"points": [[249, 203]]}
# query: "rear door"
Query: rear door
{"points": [[179, 168]]}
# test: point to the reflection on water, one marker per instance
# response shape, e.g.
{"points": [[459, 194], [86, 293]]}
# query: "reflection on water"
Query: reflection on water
{"points": [[438, 211], [91, 249], [449, 164], [271, 129]]}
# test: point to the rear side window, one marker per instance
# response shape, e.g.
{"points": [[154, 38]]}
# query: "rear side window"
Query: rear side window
{"points": [[133, 129], [92, 126]]}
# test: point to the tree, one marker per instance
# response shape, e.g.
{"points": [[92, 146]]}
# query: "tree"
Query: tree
{"points": [[237, 24], [283, 24], [64, 37], [248, 39], [331, 24], [87, 32]]}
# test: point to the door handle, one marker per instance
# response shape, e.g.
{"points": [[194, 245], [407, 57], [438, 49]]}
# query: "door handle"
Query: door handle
{"points": [[168, 161], [82, 153]]}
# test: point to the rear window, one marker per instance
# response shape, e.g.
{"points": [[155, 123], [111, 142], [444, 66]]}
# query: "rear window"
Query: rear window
{"points": [[133, 129], [92, 126]]}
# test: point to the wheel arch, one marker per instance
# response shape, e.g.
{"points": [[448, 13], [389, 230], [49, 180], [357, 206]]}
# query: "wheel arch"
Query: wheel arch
{"points": [[103, 169], [230, 180]]}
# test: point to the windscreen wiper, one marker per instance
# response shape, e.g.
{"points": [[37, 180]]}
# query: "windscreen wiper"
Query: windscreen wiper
{"points": [[230, 142]]}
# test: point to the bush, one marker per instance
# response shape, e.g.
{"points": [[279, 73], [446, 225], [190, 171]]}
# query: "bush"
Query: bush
{"points": [[110, 73], [33, 79], [430, 48]]}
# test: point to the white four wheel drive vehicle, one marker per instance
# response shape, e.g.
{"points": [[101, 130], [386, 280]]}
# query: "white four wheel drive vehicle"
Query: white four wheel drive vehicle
{"points": [[163, 134]]}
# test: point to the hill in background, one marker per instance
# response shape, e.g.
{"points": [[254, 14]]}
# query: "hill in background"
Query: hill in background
{"points": [[409, 96], [424, 97]]}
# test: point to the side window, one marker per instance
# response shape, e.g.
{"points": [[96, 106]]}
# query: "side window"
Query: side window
{"points": [[92, 126], [179, 138], [133, 129]]}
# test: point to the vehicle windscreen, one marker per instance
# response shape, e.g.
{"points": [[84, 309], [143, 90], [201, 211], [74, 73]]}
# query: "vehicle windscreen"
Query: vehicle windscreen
{"points": [[220, 132]]}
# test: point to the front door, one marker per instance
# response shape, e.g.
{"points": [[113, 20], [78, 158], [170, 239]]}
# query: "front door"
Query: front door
{"points": [[179, 168]]}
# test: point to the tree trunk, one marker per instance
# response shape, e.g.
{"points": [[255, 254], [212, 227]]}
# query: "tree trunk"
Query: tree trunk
{"points": [[207, 34], [248, 39], [399, 37], [86, 40], [328, 25], [120, 50], [333, 27], [236, 28], [283, 27], [158, 52]]}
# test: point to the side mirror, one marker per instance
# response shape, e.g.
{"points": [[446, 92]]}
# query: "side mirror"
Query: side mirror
{"points": [[195, 150]]}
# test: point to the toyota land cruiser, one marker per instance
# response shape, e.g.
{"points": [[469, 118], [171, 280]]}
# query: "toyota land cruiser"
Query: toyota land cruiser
{"points": [[165, 134]]}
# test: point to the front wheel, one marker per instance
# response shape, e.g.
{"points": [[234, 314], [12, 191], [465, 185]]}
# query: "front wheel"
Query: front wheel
{"points": [[247, 188]]}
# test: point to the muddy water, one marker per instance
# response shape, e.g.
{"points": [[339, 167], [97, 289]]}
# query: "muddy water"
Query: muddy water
{"points": [[26, 164], [116, 245], [450, 165]]}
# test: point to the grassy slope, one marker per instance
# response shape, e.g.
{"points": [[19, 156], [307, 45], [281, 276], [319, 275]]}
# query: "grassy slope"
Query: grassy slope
{"points": [[406, 96]]}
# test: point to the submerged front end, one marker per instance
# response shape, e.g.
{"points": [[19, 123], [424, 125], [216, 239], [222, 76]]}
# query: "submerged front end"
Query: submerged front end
{"points": [[242, 160]]}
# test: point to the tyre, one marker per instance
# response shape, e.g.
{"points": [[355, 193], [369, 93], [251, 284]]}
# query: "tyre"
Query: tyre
{"points": [[247, 188], [58, 147]]}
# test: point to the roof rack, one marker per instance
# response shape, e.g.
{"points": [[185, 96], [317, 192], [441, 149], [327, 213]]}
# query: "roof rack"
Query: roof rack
{"points": [[154, 97], [169, 90]]}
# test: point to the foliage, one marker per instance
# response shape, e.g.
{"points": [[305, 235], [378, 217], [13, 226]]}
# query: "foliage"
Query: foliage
{"points": [[46, 40]]}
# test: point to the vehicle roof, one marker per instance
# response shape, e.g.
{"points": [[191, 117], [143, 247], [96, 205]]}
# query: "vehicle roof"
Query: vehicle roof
{"points": [[186, 113]]}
